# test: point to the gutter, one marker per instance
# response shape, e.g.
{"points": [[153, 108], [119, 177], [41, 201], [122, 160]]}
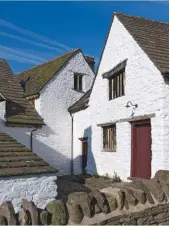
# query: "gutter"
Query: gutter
{"points": [[31, 140], [71, 164]]}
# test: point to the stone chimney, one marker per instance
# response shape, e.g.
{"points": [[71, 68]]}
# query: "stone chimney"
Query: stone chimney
{"points": [[90, 61]]}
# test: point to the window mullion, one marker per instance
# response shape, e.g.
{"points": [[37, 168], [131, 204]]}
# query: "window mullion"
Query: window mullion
{"points": [[123, 83], [77, 82]]}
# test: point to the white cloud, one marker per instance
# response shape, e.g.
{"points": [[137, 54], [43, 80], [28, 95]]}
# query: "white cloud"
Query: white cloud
{"points": [[22, 53], [13, 57], [5, 34], [33, 34]]}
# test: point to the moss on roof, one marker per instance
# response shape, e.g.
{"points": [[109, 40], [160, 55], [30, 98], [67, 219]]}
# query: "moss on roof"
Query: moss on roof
{"points": [[42, 73]]}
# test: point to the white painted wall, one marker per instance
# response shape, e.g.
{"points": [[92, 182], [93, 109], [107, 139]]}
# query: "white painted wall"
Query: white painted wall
{"points": [[53, 141], [20, 134], [144, 86], [40, 189]]}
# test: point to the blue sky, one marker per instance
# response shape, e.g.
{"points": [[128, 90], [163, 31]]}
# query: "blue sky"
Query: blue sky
{"points": [[33, 32]]}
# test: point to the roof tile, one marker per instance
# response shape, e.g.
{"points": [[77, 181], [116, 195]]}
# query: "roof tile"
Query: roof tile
{"points": [[19, 111], [42, 73], [16, 159], [152, 36], [81, 103]]}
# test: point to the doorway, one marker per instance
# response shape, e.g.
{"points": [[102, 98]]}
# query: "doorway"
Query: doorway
{"points": [[84, 145], [141, 153]]}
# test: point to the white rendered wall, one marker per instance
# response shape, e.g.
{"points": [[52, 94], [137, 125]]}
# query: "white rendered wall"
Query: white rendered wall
{"points": [[53, 141], [144, 86], [20, 134], [40, 189]]}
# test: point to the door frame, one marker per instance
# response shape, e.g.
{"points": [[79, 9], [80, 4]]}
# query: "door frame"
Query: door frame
{"points": [[83, 140], [133, 144]]}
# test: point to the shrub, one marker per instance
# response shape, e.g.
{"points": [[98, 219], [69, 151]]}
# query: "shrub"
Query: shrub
{"points": [[116, 178]]}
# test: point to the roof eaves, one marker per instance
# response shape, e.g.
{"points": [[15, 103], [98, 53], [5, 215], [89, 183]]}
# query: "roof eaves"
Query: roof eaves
{"points": [[3, 98], [80, 108], [119, 67], [73, 107], [166, 73], [23, 124]]}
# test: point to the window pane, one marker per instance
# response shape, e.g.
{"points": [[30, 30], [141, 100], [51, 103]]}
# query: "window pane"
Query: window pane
{"points": [[80, 82], [75, 82], [117, 86], [115, 92], [109, 138], [123, 84], [120, 85], [110, 89], [114, 137], [104, 138]]}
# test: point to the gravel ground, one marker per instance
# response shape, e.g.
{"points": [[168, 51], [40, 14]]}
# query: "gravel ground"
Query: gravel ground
{"points": [[76, 183]]}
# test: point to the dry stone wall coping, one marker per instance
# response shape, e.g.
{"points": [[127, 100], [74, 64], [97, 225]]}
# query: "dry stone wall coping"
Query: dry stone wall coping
{"points": [[136, 203]]}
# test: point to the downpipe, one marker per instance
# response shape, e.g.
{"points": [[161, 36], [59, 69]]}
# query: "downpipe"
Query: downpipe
{"points": [[71, 166], [31, 141]]}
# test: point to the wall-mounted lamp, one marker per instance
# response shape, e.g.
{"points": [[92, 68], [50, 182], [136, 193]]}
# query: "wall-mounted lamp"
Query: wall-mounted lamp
{"points": [[130, 103]]}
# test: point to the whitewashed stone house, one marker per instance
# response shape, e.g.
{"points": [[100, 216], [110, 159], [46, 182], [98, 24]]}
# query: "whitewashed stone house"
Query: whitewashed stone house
{"points": [[121, 125], [52, 87], [22, 173]]}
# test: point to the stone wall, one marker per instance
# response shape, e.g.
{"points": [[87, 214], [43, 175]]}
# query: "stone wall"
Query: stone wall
{"points": [[150, 216], [139, 202]]}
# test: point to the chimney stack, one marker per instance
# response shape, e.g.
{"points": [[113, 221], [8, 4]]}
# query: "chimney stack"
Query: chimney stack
{"points": [[90, 61]]}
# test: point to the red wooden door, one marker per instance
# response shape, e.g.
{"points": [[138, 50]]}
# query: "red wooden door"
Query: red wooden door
{"points": [[84, 154], [141, 149]]}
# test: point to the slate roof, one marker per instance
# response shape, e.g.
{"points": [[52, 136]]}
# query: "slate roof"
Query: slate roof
{"points": [[16, 159], [81, 104], [19, 111], [41, 74], [151, 36]]}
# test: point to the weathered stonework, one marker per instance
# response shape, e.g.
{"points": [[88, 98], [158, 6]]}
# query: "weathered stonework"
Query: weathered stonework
{"points": [[80, 209]]}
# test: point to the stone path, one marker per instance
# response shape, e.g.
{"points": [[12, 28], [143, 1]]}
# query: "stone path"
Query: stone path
{"points": [[76, 183]]}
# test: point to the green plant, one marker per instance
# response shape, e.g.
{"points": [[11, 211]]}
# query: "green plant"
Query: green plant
{"points": [[96, 175], [84, 171], [116, 178]]}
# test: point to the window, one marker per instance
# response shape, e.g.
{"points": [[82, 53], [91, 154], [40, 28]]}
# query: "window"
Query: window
{"points": [[109, 138], [78, 82], [117, 85]]}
